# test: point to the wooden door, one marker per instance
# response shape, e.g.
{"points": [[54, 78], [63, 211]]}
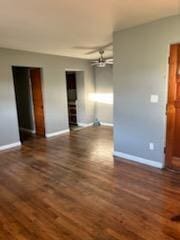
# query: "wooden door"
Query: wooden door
{"points": [[173, 110], [35, 74]]}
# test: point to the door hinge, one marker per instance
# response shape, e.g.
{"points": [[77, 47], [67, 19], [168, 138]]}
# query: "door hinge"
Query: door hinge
{"points": [[166, 109], [169, 60], [164, 149]]}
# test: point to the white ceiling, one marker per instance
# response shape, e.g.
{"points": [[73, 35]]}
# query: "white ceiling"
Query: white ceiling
{"points": [[63, 27]]}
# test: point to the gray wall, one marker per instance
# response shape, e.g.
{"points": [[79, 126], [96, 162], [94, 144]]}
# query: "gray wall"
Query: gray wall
{"points": [[54, 90], [24, 100], [140, 69], [81, 95], [104, 89]]}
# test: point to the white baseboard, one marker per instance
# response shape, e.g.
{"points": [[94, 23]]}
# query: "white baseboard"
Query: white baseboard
{"points": [[91, 124], [138, 159], [8, 146], [28, 130], [107, 124], [48, 135], [85, 124]]}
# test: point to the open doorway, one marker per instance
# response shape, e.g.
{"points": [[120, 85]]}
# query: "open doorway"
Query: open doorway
{"points": [[29, 102], [72, 98], [172, 149]]}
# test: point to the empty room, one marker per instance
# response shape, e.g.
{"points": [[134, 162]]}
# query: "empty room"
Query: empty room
{"points": [[90, 120]]}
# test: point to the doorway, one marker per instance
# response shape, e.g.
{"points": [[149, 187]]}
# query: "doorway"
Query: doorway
{"points": [[72, 99], [173, 110], [29, 102]]}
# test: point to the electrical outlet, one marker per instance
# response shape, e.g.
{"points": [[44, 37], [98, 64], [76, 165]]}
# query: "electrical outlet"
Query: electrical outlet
{"points": [[151, 146]]}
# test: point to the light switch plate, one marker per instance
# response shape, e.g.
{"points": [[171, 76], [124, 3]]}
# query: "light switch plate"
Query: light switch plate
{"points": [[151, 146], [154, 99]]}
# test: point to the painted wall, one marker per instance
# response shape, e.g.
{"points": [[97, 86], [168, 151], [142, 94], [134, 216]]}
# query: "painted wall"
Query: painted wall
{"points": [[104, 94], [81, 95], [54, 90], [141, 69]]}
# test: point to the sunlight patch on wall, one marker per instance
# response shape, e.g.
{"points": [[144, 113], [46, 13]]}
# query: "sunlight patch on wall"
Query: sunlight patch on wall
{"points": [[106, 98]]}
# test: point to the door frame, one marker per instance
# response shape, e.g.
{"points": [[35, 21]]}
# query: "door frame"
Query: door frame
{"points": [[43, 134], [42, 90], [69, 121], [172, 71], [79, 102]]}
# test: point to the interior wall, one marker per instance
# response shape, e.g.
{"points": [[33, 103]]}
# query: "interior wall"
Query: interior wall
{"points": [[104, 94], [24, 100], [80, 85], [54, 90], [141, 69]]}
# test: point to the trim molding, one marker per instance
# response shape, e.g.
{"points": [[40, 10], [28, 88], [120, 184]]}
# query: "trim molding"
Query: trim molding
{"points": [[85, 124], [48, 135], [8, 146], [107, 124], [138, 159]]}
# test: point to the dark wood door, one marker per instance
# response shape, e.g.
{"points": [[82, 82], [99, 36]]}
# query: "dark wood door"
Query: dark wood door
{"points": [[35, 74], [173, 110]]}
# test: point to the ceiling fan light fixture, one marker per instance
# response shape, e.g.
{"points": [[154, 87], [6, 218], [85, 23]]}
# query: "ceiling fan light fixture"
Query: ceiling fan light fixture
{"points": [[101, 64]]}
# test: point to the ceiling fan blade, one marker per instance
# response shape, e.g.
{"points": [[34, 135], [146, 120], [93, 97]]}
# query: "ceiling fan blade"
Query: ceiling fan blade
{"points": [[85, 48], [110, 63], [107, 45], [94, 61], [109, 59], [93, 47], [91, 52], [98, 49]]}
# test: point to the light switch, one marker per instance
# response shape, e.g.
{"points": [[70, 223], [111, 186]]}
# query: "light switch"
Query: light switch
{"points": [[154, 99], [151, 146]]}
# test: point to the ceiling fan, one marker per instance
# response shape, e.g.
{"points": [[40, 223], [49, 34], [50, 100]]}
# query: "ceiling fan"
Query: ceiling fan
{"points": [[102, 62], [94, 49]]}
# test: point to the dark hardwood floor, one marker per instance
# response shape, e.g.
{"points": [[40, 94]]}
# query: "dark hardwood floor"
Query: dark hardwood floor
{"points": [[71, 188]]}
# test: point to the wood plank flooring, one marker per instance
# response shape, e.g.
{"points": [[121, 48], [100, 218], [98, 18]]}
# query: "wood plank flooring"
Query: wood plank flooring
{"points": [[71, 188]]}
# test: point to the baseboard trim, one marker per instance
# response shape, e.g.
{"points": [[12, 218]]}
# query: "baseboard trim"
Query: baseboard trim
{"points": [[85, 124], [107, 124], [9, 146], [138, 159], [54, 134], [28, 130]]}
